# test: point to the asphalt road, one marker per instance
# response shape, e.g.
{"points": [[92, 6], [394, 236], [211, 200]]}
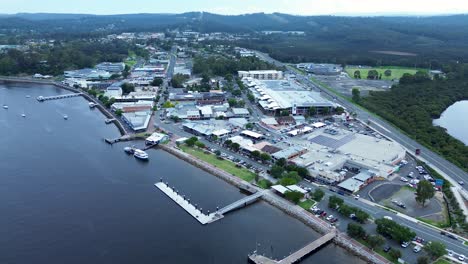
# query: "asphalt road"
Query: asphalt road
{"points": [[423, 231]]}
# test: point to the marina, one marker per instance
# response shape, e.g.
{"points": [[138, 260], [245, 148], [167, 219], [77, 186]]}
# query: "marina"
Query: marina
{"points": [[57, 97], [197, 212]]}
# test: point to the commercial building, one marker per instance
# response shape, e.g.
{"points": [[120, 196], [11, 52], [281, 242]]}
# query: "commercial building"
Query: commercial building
{"points": [[88, 74], [114, 67], [277, 96], [156, 138], [137, 106], [261, 75], [208, 128], [330, 152], [240, 112], [200, 98], [322, 69], [138, 121]]}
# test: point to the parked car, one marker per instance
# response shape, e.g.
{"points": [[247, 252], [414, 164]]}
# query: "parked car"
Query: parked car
{"points": [[387, 248], [403, 179], [461, 257], [410, 175], [416, 249], [405, 244], [330, 217]]}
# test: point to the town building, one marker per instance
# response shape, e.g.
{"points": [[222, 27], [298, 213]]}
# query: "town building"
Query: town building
{"points": [[261, 75], [137, 121], [114, 67], [88, 74], [278, 96]]}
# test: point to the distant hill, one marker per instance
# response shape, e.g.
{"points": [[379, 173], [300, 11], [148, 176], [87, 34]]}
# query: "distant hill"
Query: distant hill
{"points": [[328, 38]]}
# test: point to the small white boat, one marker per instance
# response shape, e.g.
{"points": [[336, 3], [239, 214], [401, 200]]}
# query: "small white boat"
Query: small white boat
{"points": [[23, 115], [28, 96], [5, 106], [91, 105], [65, 117], [140, 154], [129, 150]]}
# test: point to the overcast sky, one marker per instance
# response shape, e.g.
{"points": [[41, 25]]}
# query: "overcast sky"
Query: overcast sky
{"points": [[299, 7]]}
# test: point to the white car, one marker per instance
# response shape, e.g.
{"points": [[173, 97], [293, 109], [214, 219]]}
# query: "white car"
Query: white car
{"points": [[461, 257], [450, 253], [416, 249], [330, 217], [403, 179], [405, 244]]}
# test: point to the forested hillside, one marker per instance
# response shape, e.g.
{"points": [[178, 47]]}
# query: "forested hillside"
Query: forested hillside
{"points": [[413, 104]]}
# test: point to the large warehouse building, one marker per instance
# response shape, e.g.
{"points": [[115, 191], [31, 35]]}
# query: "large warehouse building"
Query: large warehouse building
{"points": [[275, 96]]}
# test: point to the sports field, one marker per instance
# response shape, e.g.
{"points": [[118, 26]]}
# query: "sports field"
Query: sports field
{"points": [[397, 72]]}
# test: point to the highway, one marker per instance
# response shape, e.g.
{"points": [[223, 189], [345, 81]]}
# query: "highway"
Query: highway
{"points": [[385, 128]]}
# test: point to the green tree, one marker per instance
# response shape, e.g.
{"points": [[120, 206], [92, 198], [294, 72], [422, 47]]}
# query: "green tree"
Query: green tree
{"points": [[339, 110], [255, 154], [361, 216], [286, 181], [294, 196], [178, 80], [217, 152], [127, 88], [317, 195], [375, 241], [395, 254], [199, 144], [435, 249], [390, 228], [312, 111], [235, 146], [249, 126], [423, 260], [334, 201], [373, 75], [265, 156], [284, 113], [424, 192], [232, 102], [157, 81], [355, 230], [281, 162], [356, 95], [236, 93], [357, 74], [119, 112], [388, 73], [191, 141], [276, 171], [228, 143]]}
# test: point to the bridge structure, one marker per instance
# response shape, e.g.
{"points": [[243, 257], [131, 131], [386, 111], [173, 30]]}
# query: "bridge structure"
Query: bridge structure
{"points": [[197, 212], [298, 255], [56, 97]]}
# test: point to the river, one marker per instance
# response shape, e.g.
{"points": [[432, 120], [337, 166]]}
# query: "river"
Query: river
{"points": [[68, 197], [454, 119]]}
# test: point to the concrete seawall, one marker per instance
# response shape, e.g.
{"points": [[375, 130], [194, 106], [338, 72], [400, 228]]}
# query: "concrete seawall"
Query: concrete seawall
{"points": [[293, 210], [107, 113]]}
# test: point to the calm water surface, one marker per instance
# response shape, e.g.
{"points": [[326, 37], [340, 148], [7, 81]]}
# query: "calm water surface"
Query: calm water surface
{"points": [[455, 120], [68, 197]]}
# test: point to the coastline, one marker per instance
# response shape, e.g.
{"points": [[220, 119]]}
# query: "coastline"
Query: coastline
{"points": [[294, 211], [85, 95]]}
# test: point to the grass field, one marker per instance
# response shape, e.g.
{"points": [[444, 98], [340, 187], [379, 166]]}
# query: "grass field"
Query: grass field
{"points": [[397, 72], [225, 165], [307, 204], [442, 261], [130, 63]]}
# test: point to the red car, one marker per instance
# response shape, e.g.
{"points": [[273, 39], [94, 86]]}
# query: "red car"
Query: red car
{"points": [[323, 214]]}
